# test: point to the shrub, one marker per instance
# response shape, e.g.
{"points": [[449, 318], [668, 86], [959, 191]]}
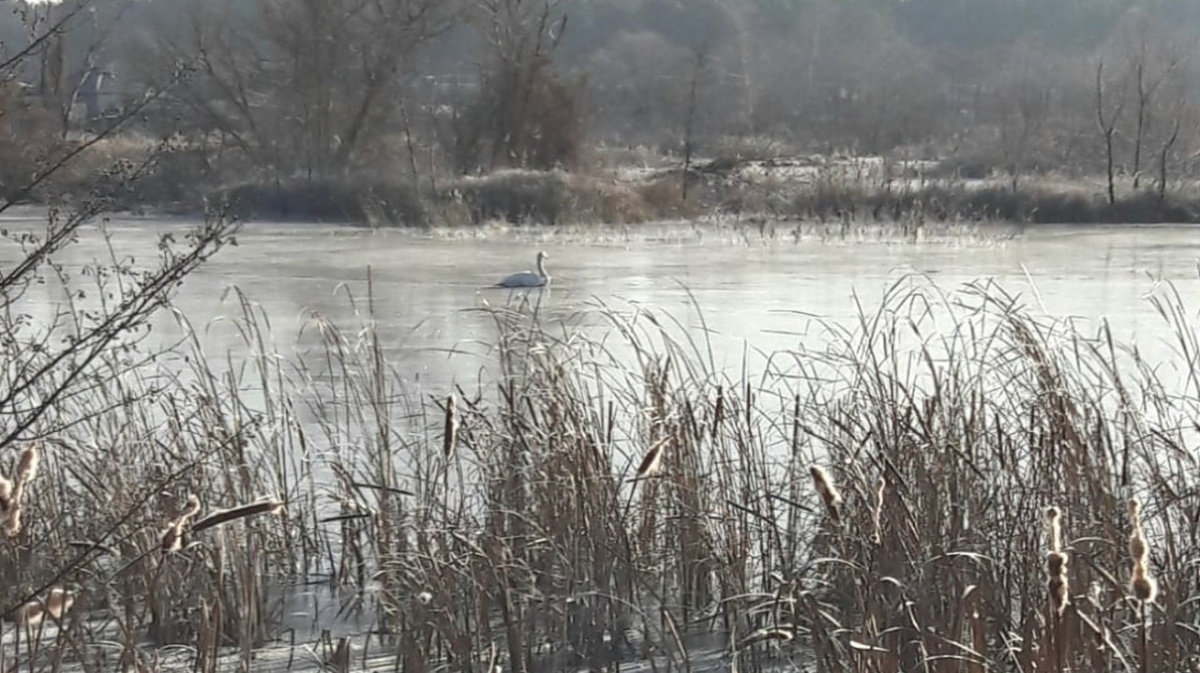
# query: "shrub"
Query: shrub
{"points": [[27, 140], [330, 201], [517, 196]]}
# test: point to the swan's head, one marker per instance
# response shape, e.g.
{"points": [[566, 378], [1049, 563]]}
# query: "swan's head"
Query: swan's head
{"points": [[542, 255]]}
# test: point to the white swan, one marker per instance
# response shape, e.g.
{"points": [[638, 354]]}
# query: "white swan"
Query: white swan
{"points": [[528, 278]]}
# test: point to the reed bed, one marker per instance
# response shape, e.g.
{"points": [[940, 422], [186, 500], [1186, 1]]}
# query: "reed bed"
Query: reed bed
{"points": [[947, 485]]}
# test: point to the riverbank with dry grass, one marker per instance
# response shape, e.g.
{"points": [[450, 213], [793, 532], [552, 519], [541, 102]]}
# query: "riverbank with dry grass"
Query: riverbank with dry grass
{"points": [[951, 480], [618, 187]]}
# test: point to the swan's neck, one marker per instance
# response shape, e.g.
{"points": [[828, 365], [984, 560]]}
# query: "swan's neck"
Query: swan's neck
{"points": [[541, 264]]}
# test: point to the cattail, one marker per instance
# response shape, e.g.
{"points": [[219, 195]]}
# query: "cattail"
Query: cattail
{"points": [[652, 461], [56, 605], [221, 517], [1057, 584], [1141, 584], [1137, 540], [6, 495], [829, 494], [27, 466], [59, 602], [12, 491], [450, 433], [12, 524], [172, 537], [1054, 528], [877, 515], [191, 508], [31, 613]]}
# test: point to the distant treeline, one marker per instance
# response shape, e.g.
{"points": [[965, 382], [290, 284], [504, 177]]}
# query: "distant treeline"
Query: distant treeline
{"points": [[272, 90]]}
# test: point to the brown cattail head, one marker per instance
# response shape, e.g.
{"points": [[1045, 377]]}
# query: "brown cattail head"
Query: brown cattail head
{"points": [[6, 495], [191, 509], [1143, 587], [1054, 528], [172, 537], [12, 524], [829, 494], [1056, 563], [450, 431], [1057, 584], [59, 602], [31, 613], [1138, 550], [1135, 511], [27, 466], [1059, 592]]}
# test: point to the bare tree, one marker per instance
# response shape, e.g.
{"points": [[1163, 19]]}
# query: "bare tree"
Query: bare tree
{"points": [[1108, 119], [1178, 113], [524, 114], [637, 85], [1152, 64], [699, 62], [1024, 99], [301, 84]]}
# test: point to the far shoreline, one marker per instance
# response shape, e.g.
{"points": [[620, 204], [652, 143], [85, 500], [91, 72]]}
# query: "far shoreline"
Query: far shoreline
{"points": [[801, 190]]}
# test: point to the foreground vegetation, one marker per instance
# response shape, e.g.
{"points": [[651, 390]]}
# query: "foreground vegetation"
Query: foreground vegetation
{"points": [[950, 481]]}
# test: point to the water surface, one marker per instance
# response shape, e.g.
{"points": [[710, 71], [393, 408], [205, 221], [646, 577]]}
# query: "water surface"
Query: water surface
{"points": [[751, 292]]}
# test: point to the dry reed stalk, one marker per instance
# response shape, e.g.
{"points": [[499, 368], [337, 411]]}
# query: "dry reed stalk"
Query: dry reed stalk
{"points": [[763, 635], [221, 517], [877, 512], [829, 493]]}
